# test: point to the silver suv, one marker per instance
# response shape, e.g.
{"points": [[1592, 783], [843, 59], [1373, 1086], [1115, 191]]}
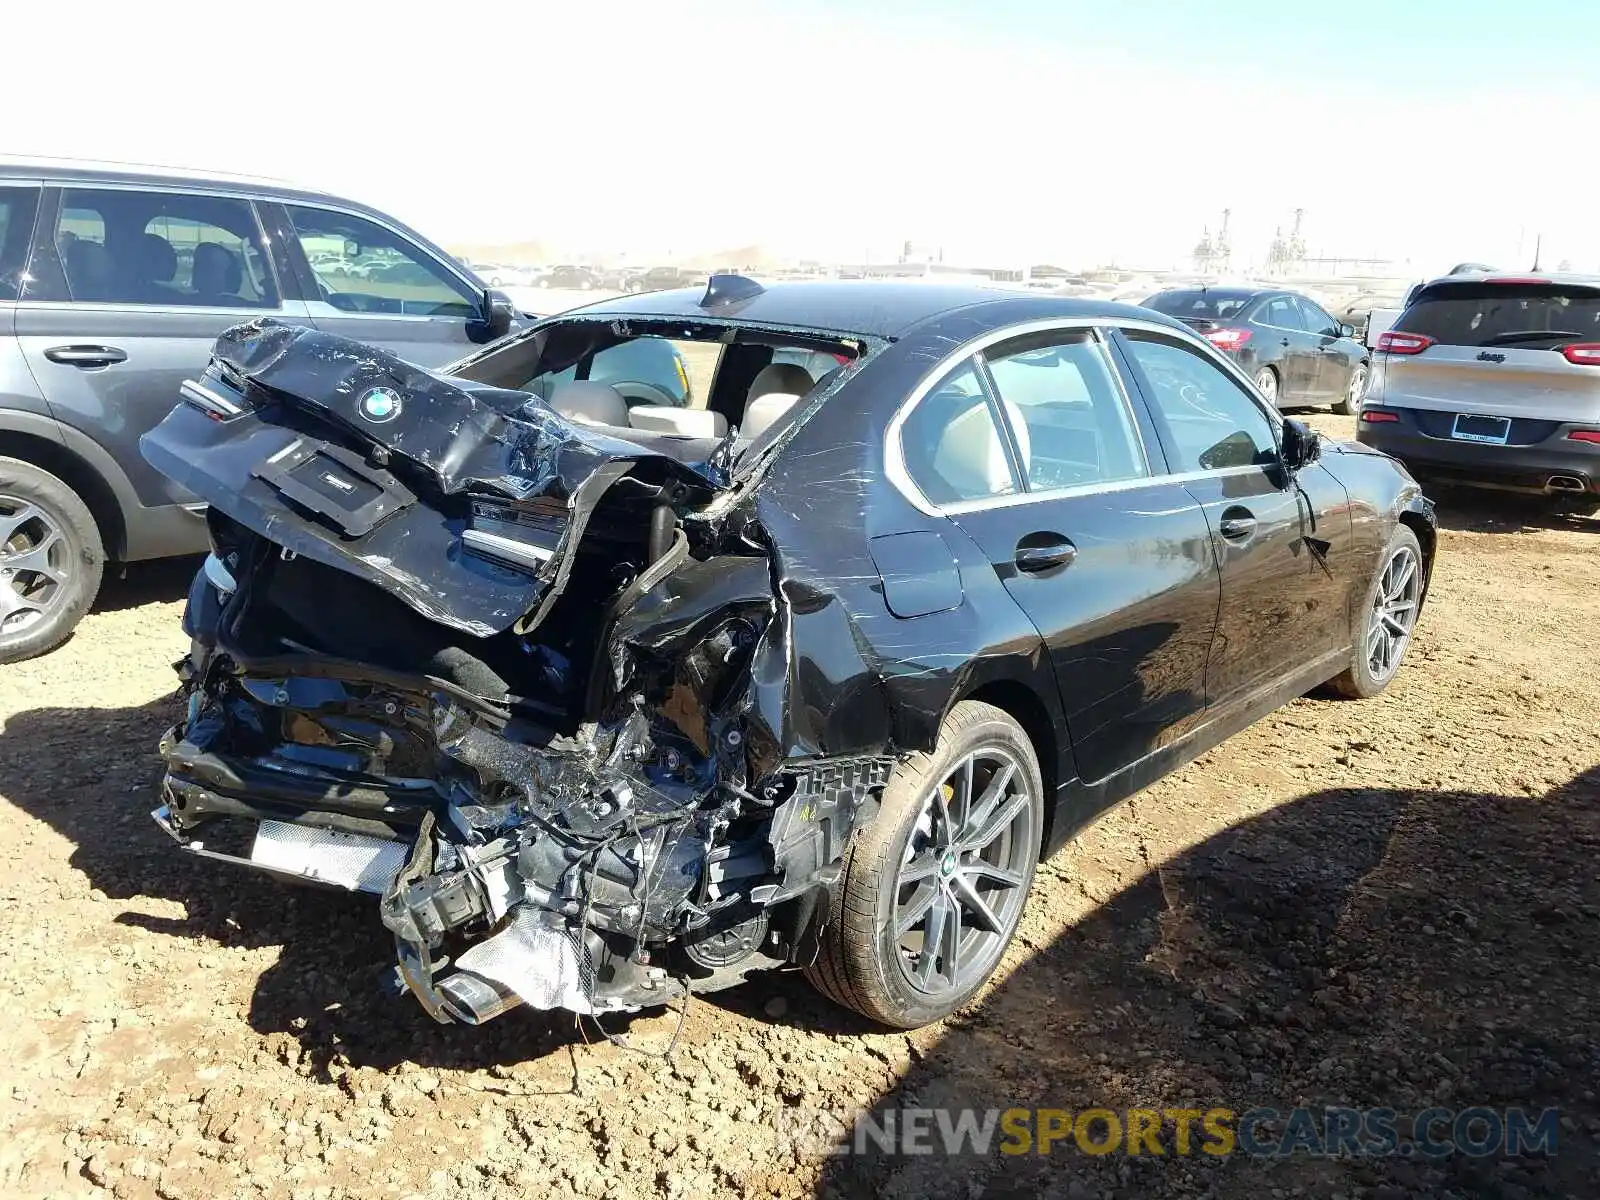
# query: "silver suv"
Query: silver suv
{"points": [[1493, 381], [114, 282]]}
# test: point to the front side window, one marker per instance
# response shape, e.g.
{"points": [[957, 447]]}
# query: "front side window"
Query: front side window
{"points": [[168, 248], [1316, 320], [362, 267], [1209, 419], [1067, 415], [17, 208], [952, 446]]}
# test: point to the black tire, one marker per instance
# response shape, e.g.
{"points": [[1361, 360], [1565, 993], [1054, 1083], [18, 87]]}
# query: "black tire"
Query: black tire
{"points": [[861, 961], [1347, 404], [1361, 681], [62, 604]]}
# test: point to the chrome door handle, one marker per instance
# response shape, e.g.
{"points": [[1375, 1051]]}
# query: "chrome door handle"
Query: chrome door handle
{"points": [[1239, 526], [1046, 556], [86, 356]]}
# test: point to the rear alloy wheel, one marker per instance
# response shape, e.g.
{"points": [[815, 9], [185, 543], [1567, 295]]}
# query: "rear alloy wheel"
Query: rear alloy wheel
{"points": [[1353, 394], [50, 560], [1267, 385], [1393, 601], [933, 888]]}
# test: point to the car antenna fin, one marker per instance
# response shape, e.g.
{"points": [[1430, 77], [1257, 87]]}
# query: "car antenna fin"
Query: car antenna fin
{"points": [[729, 289]]}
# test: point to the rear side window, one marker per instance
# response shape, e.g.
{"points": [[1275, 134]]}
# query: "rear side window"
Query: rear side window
{"points": [[17, 208], [1534, 316], [166, 248], [952, 445], [1281, 312], [1066, 413]]}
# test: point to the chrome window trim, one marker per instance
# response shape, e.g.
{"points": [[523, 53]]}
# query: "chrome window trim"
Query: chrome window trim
{"points": [[894, 465]]}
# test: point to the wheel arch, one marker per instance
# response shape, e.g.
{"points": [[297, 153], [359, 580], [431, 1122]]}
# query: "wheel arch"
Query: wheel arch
{"points": [[1023, 704], [1427, 538], [48, 446]]}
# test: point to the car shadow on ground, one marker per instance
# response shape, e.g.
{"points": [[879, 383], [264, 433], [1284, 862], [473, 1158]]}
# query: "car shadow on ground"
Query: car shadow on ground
{"points": [[1362, 948], [332, 986], [1471, 510], [159, 581]]}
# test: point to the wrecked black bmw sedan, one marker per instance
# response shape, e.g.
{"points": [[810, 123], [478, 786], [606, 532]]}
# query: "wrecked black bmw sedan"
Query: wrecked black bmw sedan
{"points": [[612, 698]]}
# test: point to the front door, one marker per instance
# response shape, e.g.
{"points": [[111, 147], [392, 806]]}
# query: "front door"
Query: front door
{"points": [[1282, 545], [1033, 450], [378, 286], [128, 290]]}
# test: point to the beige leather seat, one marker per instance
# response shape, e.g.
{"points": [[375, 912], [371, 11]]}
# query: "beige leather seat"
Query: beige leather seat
{"points": [[970, 456], [681, 422], [776, 389], [589, 403]]}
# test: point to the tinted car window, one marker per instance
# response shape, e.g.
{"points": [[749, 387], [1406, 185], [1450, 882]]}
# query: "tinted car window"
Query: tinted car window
{"points": [[952, 447], [1533, 316], [1199, 303], [169, 248], [1068, 417], [363, 267], [17, 207], [1282, 312], [1210, 420], [1315, 319]]}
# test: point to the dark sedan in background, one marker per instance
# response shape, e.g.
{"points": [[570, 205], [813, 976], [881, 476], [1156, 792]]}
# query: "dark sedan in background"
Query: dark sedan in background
{"points": [[1297, 354], [608, 713]]}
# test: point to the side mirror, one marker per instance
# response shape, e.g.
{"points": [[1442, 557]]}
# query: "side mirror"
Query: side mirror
{"points": [[1347, 331], [498, 313], [1302, 446]]}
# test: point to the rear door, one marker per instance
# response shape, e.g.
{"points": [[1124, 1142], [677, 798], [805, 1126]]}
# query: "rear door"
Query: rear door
{"points": [[127, 290], [376, 284], [1283, 546], [1493, 351], [1336, 357], [1033, 449]]}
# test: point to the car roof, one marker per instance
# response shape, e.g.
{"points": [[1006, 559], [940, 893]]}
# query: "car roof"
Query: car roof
{"points": [[1554, 278], [61, 171], [871, 307]]}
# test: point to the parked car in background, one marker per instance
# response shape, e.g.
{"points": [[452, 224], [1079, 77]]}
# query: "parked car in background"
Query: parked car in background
{"points": [[1295, 352], [1493, 381], [609, 710], [660, 278], [507, 275], [620, 279], [114, 283], [579, 278]]}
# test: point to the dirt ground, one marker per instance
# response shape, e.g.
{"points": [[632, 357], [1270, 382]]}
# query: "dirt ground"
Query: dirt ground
{"points": [[1390, 903]]}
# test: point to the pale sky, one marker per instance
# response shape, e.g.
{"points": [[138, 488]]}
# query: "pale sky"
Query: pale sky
{"points": [[1001, 130]]}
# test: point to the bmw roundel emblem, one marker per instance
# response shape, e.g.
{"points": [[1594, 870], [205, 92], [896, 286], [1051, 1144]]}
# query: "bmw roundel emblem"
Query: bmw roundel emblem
{"points": [[380, 404]]}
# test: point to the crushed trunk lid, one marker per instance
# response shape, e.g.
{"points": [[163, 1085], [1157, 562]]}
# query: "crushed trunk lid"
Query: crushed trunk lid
{"points": [[464, 501]]}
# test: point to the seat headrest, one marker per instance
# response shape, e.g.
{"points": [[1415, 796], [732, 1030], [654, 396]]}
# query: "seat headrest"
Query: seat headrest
{"points": [[762, 413], [590, 403], [683, 422], [154, 260], [216, 269], [970, 456], [778, 377]]}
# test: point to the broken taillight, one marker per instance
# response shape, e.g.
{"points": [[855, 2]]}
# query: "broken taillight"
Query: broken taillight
{"points": [[1582, 354], [1403, 343], [1228, 339]]}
